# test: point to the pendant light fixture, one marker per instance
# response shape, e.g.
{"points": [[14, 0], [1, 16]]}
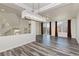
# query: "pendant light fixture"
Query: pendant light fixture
{"points": [[32, 15]]}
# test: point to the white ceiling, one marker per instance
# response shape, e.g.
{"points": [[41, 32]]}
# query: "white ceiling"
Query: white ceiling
{"points": [[29, 6], [37, 9], [36, 5], [70, 10], [55, 9], [47, 9]]}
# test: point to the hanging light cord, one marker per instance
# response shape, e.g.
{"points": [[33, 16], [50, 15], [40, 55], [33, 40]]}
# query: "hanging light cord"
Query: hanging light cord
{"points": [[38, 7], [33, 9]]}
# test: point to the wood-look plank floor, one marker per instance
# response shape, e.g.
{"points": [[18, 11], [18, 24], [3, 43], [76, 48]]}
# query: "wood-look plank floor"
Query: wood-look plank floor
{"points": [[46, 46]]}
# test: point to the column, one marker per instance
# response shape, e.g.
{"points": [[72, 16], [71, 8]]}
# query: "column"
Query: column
{"points": [[69, 29], [41, 28], [56, 32]]}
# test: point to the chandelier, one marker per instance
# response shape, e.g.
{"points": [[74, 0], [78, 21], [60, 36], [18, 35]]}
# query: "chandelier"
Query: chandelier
{"points": [[33, 16]]}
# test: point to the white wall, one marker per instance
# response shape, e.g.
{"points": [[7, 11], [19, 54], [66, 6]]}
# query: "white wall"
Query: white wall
{"points": [[77, 31], [9, 42], [73, 28], [38, 28], [33, 27]]}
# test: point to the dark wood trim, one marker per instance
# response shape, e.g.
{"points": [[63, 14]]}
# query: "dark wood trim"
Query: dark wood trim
{"points": [[41, 28], [69, 29], [50, 28], [56, 31]]}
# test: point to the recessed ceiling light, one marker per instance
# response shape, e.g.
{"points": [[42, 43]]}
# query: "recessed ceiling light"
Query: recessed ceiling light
{"points": [[2, 9]]}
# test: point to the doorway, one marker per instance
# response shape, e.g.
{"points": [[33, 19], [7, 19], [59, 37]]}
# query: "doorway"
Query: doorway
{"points": [[62, 28], [46, 28]]}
